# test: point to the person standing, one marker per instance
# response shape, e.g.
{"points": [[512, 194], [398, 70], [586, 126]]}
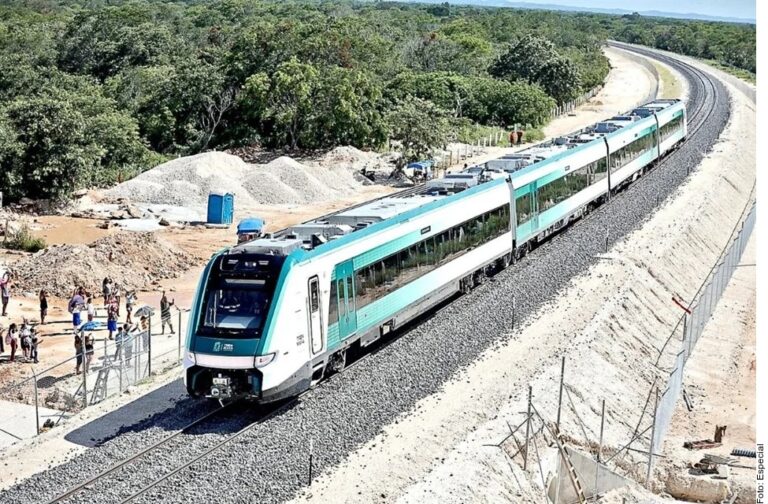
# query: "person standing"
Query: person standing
{"points": [[88, 351], [130, 299], [76, 305], [43, 306], [123, 343], [116, 292], [111, 317], [12, 340], [35, 343], [5, 291], [78, 352], [165, 313], [106, 290], [25, 337], [90, 309]]}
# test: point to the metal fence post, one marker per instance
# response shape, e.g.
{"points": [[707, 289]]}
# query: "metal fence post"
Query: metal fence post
{"points": [[560, 398], [178, 347], [599, 452], [149, 345], [653, 435], [119, 360], [85, 373], [527, 428], [37, 407]]}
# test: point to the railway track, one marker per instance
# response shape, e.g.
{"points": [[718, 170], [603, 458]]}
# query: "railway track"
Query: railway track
{"points": [[703, 95], [350, 408]]}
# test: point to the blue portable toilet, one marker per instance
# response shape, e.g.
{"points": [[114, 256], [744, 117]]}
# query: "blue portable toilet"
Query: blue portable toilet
{"points": [[221, 208]]}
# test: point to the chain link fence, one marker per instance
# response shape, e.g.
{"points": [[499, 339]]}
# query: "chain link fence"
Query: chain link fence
{"points": [[97, 372], [584, 475], [691, 324]]}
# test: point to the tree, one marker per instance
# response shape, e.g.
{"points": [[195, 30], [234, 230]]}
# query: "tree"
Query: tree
{"points": [[560, 79], [284, 99], [525, 60], [419, 125]]}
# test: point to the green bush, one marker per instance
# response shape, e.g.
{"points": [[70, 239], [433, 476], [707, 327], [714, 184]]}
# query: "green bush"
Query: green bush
{"points": [[533, 135], [22, 239]]}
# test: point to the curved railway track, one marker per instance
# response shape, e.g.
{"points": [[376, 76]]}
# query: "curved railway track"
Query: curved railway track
{"points": [[281, 471]]}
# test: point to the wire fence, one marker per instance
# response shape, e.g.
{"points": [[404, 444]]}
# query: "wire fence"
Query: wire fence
{"points": [[570, 106], [691, 325], [580, 478], [95, 372]]}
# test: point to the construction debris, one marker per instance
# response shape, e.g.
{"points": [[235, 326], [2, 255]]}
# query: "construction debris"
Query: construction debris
{"points": [[701, 445], [740, 452], [132, 260]]}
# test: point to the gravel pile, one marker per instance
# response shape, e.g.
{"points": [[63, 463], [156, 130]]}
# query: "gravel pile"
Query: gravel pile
{"points": [[270, 463], [133, 260], [187, 181]]}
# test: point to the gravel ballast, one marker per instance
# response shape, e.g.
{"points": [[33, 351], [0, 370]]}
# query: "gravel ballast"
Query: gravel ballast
{"points": [[270, 462]]}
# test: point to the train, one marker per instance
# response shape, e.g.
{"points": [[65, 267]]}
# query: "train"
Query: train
{"points": [[274, 316]]}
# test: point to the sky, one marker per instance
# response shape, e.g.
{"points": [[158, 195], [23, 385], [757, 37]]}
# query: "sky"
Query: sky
{"points": [[724, 8]]}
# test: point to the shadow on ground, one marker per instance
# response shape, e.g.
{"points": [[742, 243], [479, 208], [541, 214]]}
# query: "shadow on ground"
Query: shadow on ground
{"points": [[138, 415]]}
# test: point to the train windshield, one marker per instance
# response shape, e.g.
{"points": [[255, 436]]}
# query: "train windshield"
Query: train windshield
{"points": [[238, 297]]}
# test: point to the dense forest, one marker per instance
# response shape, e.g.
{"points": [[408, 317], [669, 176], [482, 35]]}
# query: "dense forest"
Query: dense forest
{"points": [[91, 90]]}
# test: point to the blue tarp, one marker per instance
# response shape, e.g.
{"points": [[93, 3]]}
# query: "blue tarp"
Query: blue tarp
{"points": [[250, 225], [422, 165], [93, 325]]}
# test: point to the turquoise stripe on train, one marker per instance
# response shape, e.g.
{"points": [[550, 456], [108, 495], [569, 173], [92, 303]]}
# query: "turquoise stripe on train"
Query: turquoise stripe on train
{"points": [[385, 308]]}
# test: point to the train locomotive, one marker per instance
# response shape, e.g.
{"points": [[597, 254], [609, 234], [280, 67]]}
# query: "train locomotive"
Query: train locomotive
{"points": [[275, 315]]}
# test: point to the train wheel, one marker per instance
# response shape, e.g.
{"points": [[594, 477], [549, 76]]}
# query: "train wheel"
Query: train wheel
{"points": [[478, 278], [465, 284], [337, 362]]}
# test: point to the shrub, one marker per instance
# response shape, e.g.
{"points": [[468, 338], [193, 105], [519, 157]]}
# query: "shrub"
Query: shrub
{"points": [[22, 239]]}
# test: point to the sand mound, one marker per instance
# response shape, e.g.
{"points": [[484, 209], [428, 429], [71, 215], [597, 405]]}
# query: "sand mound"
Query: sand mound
{"points": [[187, 181], [133, 260]]}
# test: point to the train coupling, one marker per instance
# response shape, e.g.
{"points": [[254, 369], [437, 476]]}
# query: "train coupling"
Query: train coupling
{"points": [[221, 388]]}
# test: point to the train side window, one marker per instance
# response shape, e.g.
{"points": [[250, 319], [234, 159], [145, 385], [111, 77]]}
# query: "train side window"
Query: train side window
{"points": [[523, 208], [350, 295], [333, 305], [340, 287]]}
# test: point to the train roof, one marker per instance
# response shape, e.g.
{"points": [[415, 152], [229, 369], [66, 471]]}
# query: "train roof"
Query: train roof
{"points": [[361, 219]]}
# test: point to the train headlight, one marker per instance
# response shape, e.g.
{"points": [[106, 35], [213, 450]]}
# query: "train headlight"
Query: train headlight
{"points": [[263, 360], [191, 357]]}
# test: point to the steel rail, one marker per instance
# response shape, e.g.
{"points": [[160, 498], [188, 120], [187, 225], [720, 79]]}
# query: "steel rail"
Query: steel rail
{"points": [[82, 486]]}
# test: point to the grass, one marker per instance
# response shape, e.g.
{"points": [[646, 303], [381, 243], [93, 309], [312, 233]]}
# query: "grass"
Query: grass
{"points": [[740, 73], [670, 85], [22, 239]]}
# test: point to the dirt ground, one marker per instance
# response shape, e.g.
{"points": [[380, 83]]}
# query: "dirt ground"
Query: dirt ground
{"points": [[720, 382]]}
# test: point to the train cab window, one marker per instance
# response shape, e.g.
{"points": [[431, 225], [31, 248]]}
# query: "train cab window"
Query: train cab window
{"points": [[314, 297]]}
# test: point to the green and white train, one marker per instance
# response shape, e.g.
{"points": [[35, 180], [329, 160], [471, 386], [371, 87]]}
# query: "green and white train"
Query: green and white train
{"points": [[275, 315]]}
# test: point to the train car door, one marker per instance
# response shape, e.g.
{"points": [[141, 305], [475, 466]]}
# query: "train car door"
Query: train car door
{"points": [[345, 283], [534, 207], [315, 327]]}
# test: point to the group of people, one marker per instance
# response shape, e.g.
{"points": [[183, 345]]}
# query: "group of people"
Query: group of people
{"points": [[22, 335], [81, 303], [122, 334], [25, 336]]}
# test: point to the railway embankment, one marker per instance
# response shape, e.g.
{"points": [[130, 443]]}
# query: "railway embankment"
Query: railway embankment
{"points": [[609, 323]]}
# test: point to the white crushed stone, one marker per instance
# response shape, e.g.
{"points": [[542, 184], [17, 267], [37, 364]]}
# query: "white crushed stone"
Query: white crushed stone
{"points": [[187, 181]]}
